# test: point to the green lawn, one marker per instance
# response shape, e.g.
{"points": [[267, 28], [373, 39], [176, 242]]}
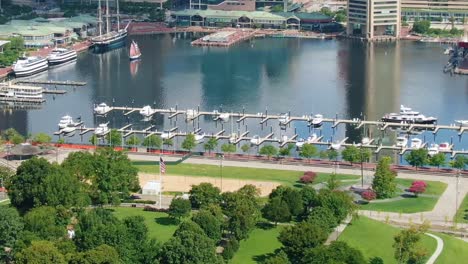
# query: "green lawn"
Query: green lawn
{"points": [[160, 226], [375, 239], [455, 250], [462, 213], [285, 177], [410, 204], [260, 243]]}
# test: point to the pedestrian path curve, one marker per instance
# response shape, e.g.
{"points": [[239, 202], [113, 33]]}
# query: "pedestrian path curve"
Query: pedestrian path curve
{"points": [[438, 251]]}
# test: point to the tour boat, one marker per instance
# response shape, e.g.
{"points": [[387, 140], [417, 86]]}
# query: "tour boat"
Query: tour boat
{"points": [[134, 51], [463, 123], [26, 66], [317, 120], [283, 119], [401, 141], [101, 109], [102, 130], [166, 134], [433, 150], [407, 115], [65, 121], [416, 143], [61, 55], [255, 140], [110, 39], [199, 137], [10, 91], [445, 146], [147, 111]]}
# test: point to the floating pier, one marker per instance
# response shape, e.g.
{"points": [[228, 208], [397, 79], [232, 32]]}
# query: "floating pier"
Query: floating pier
{"points": [[50, 82], [225, 38]]}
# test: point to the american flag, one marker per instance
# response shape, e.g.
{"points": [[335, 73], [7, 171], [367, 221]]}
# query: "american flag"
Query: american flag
{"points": [[162, 166]]}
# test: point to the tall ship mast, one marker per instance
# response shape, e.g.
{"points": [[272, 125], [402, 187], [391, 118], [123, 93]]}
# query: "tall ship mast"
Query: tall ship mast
{"points": [[112, 38]]}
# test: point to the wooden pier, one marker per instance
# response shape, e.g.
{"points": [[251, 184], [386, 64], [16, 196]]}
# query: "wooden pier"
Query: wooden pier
{"points": [[48, 91], [225, 38], [50, 82]]}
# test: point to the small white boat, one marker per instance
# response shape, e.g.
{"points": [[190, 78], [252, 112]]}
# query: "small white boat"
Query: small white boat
{"points": [[300, 142], [199, 137], [433, 150], [416, 143], [102, 130], [224, 117], [317, 120], [166, 134], [335, 145], [312, 139], [365, 141], [147, 111], [101, 109], [255, 140], [284, 138], [463, 123], [69, 129], [283, 119], [445, 146], [401, 142], [190, 114], [233, 138], [65, 121]]}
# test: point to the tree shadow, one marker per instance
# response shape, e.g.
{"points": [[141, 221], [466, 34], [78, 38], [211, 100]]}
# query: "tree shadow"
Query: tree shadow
{"points": [[265, 225], [298, 184], [165, 220], [262, 258], [406, 195]]}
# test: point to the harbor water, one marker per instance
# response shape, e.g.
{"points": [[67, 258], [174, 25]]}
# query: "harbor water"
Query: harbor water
{"points": [[342, 78]]}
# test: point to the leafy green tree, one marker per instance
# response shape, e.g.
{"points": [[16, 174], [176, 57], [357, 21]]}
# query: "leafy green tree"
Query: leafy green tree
{"points": [[168, 142], [62, 188], [332, 154], [81, 164], [309, 198], [179, 208], [437, 160], [326, 11], [417, 158], [17, 139], [231, 247], [44, 222], [339, 202], [279, 257], [299, 238], [152, 142], [189, 142], [340, 17], [332, 182], [189, 227], [336, 252], [94, 140], [376, 260], [114, 138], [211, 225], [204, 194], [5, 175], [211, 144], [291, 197], [459, 162], [407, 246], [421, 26], [42, 138], [157, 15], [102, 254], [384, 183], [245, 148], [322, 217], [11, 226], [9, 133], [268, 150], [286, 151], [351, 154], [181, 249], [276, 210], [40, 252], [228, 148], [133, 140]]}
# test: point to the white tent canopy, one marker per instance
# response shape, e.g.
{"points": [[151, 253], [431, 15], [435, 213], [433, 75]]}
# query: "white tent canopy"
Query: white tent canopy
{"points": [[152, 188]]}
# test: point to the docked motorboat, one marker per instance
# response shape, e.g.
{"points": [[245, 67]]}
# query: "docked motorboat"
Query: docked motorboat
{"points": [[463, 123], [147, 111], [433, 150], [336, 145], [199, 137], [407, 115], [68, 129], [233, 138], [416, 143], [224, 117], [102, 109], [284, 139], [190, 114], [300, 142], [166, 134], [65, 121], [283, 119], [102, 130], [26, 66], [401, 141], [445, 146], [61, 55], [365, 141], [312, 138], [317, 120], [255, 140]]}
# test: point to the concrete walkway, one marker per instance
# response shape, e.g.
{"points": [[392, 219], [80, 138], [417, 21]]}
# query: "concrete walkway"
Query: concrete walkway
{"points": [[438, 251]]}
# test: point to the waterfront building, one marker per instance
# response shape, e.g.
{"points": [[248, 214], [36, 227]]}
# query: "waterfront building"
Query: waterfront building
{"points": [[373, 19], [435, 10], [255, 19], [237, 5]]}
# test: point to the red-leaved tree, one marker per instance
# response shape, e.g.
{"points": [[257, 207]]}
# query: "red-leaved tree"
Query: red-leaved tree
{"points": [[308, 177], [368, 195], [418, 187]]}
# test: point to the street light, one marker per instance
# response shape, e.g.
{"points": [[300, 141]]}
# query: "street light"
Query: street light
{"points": [[221, 157], [362, 171]]}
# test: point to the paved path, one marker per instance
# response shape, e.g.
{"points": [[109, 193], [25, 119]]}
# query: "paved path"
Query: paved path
{"points": [[440, 247]]}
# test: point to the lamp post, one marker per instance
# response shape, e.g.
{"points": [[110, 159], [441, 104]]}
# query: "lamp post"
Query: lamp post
{"points": [[362, 171]]}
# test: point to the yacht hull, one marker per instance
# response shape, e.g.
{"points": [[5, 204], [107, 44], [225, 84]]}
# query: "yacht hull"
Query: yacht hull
{"points": [[31, 71]]}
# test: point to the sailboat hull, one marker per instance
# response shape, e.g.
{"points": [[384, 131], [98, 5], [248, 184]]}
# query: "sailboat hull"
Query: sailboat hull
{"points": [[136, 57], [110, 43]]}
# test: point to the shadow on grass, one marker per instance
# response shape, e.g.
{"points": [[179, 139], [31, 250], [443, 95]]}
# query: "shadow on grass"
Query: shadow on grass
{"points": [[264, 257], [165, 220], [406, 195], [298, 185], [265, 225]]}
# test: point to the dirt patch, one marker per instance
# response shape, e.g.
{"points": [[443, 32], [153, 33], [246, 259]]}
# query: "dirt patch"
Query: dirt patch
{"points": [[178, 183]]}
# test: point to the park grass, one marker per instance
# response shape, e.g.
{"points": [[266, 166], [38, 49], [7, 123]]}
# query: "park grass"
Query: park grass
{"points": [[285, 177], [160, 225], [261, 242], [410, 204], [455, 250], [375, 239], [462, 212]]}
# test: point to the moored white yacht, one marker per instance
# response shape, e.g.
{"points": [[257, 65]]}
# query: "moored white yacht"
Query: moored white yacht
{"points": [[401, 141], [61, 55], [147, 111], [233, 138], [445, 146], [65, 121], [312, 138], [26, 66], [416, 143], [255, 140], [433, 149], [101, 109], [335, 145], [166, 134], [190, 114], [283, 119], [300, 142], [102, 130], [199, 137], [69, 129], [365, 141], [317, 120], [463, 123], [407, 115]]}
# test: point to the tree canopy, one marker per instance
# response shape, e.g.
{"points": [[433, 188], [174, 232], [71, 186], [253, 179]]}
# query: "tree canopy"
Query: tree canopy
{"points": [[204, 194], [384, 183], [189, 142], [417, 158], [179, 208]]}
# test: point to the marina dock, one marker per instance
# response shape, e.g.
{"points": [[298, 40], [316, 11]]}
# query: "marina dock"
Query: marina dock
{"points": [[50, 82], [225, 38]]}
